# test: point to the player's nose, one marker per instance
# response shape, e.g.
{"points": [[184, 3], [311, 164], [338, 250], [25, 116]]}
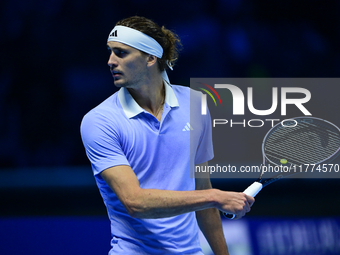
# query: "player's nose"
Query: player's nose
{"points": [[112, 60]]}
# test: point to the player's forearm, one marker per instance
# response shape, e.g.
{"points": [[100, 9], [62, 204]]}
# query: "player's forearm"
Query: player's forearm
{"points": [[209, 221], [153, 203]]}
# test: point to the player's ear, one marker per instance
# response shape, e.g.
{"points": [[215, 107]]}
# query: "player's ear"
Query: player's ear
{"points": [[152, 60]]}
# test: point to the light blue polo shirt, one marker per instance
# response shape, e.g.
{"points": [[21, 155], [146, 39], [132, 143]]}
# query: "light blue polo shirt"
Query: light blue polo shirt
{"points": [[162, 155]]}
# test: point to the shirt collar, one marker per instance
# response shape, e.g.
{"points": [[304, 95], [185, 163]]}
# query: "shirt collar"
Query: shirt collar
{"points": [[130, 106]]}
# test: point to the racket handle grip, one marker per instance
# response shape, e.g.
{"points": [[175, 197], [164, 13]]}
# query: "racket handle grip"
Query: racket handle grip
{"points": [[252, 191]]}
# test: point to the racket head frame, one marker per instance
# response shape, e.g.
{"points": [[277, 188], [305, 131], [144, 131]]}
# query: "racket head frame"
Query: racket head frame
{"points": [[266, 160]]}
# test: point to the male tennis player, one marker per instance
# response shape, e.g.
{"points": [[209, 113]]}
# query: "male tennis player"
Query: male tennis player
{"points": [[138, 142]]}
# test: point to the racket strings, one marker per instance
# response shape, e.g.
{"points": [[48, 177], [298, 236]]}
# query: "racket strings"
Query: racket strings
{"points": [[298, 153], [308, 139], [296, 159], [321, 131], [306, 143]]}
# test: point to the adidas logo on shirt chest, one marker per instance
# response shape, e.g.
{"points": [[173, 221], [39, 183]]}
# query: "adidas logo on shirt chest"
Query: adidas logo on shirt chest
{"points": [[187, 127]]}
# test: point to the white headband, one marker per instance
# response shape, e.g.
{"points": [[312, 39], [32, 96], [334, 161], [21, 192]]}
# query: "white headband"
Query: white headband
{"points": [[139, 41], [136, 39]]}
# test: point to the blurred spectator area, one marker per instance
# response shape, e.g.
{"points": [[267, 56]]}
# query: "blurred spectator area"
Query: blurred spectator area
{"points": [[53, 59]]}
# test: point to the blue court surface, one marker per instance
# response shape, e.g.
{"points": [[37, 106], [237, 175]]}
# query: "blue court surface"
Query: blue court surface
{"points": [[250, 236]]}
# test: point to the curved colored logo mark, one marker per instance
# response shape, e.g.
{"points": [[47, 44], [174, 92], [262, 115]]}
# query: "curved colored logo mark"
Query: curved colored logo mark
{"points": [[213, 90]]}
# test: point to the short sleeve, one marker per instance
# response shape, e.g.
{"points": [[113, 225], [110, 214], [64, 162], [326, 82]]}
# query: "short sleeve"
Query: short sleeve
{"points": [[101, 142], [205, 151]]}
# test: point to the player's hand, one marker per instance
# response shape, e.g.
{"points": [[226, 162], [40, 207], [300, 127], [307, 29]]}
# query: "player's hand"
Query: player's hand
{"points": [[236, 203]]}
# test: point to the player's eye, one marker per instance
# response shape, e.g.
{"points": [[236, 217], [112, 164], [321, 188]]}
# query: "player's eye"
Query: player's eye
{"points": [[120, 53]]}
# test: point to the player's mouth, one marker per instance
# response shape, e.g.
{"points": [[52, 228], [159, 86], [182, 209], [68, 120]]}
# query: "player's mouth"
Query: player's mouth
{"points": [[115, 74]]}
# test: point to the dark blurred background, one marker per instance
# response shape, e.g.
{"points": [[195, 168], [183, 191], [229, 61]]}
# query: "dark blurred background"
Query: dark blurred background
{"points": [[53, 70]]}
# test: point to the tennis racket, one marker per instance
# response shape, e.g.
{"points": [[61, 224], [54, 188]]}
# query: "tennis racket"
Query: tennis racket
{"points": [[300, 142]]}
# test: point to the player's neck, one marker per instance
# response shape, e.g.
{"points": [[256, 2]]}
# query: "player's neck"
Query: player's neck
{"points": [[151, 95]]}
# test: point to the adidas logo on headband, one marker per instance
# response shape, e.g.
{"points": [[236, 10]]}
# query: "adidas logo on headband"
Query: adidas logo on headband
{"points": [[114, 33]]}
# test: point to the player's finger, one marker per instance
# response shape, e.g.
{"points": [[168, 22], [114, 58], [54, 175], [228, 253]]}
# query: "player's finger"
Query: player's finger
{"points": [[250, 200], [247, 207]]}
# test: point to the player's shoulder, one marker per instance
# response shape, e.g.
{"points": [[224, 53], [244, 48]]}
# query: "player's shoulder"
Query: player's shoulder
{"points": [[186, 92], [182, 88], [106, 110]]}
